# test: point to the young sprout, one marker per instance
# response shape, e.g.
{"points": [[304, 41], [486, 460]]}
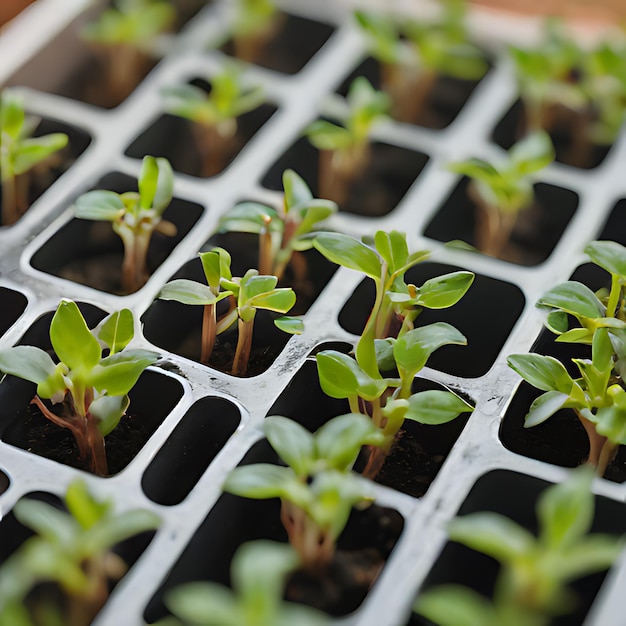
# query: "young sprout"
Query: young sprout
{"points": [[254, 24], [412, 54], [73, 550], [597, 396], [548, 77], [124, 36], [532, 586], [501, 191], [283, 233], [214, 114], [21, 154], [84, 391], [604, 81], [259, 570], [135, 216], [345, 149], [317, 488], [246, 296], [389, 400]]}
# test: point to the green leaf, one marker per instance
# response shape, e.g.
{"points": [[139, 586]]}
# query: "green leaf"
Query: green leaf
{"points": [[293, 442], [593, 553], [297, 192], [543, 407], [56, 526], [249, 217], [108, 411], [339, 441], [349, 252], [393, 248], [27, 362], [116, 330], [454, 605], [82, 506], [216, 265], [189, 292], [118, 373], [200, 602], [493, 535], [544, 372], [411, 350], [532, 153], [341, 377], [259, 481], [291, 325], [325, 135], [609, 255], [444, 291], [477, 169], [277, 300], [155, 184], [436, 407], [573, 297], [100, 205], [557, 322], [565, 510], [33, 151], [72, 341]]}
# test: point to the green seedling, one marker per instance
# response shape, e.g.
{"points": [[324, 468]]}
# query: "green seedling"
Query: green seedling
{"points": [[21, 154], [214, 114], [597, 396], [255, 23], [388, 399], [345, 149], [72, 549], [548, 77], [284, 233], [84, 391], [246, 296], [604, 81], [412, 54], [317, 488], [532, 586], [259, 571], [124, 36], [501, 191], [135, 216]]}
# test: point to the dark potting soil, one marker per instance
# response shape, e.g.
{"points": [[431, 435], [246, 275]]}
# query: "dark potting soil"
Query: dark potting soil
{"points": [[445, 101], [295, 43], [90, 253], [514, 496], [378, 189], [31, 431], [172, 137], [536, 233], [511, 128]]}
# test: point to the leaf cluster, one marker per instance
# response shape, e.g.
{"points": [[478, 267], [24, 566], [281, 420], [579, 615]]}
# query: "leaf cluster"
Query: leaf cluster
{"points": [[281, 232], [598, 320], [84, 378], [19, 150], [317, 481], [535, 571], [365, 107], [507, 185], [70, 548], [258, 572], [131, 22], [361, 378], [228, 98], [439, 45]]}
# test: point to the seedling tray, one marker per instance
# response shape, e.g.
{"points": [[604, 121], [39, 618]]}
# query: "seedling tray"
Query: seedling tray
{"points": [[201, 421]]}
